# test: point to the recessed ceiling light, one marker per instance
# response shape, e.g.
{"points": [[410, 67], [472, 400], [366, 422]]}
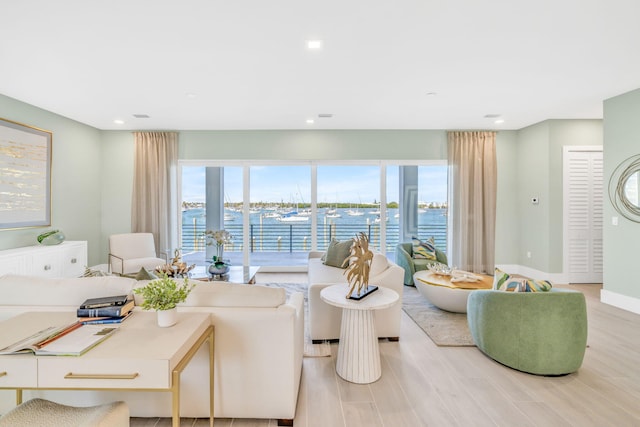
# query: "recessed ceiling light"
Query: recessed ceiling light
{"points": [[310, 121], [118, 122], [491, 116], [499, 121], [314, 44], [141, 116], [325, 115]]}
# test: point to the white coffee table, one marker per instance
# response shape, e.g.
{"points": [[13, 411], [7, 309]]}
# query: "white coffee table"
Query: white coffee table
{"points": [[237, 274], [358, 352], [446, 295]]}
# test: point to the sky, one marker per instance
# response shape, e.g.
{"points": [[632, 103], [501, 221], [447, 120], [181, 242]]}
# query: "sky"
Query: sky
{"points": [[292, 184]]}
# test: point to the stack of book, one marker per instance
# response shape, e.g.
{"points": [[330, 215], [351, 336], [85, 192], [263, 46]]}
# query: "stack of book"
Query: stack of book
{"points": [[113, 309]]}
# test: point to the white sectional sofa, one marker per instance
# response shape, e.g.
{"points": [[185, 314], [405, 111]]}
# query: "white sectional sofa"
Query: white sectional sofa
{"points": [[325, 320], [258, 350]]}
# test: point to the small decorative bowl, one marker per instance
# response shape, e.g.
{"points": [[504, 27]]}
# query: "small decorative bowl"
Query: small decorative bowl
{"points": [[218, 270], [51, 238]]}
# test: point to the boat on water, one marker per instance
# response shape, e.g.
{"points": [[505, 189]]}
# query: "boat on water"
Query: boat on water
{"points": [[229, 217], [377, 219], [354, 212], [292, 217], [333, 215]]}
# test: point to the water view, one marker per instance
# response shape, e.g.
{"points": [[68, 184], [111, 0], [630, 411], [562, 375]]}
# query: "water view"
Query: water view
{"points": [[288, 231]]}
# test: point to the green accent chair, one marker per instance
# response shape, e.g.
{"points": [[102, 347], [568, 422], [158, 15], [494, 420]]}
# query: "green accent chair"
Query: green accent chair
{"points": [[404, 258], [543, 333]]}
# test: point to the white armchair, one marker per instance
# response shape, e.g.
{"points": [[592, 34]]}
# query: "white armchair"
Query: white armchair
{"points": [[131, 251]]}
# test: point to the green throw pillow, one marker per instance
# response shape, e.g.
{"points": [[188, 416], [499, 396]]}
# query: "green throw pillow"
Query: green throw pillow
{"points": [[145, 274], [337, 252], [424, 250], [505, 282]]}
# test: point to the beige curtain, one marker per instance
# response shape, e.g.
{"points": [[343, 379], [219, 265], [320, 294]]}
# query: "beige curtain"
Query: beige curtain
{"points": [[472, 200], [154, 206]]}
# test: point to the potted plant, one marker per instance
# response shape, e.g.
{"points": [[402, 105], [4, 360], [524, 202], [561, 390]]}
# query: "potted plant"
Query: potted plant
{"points": [[218, 237], [163, 295]]}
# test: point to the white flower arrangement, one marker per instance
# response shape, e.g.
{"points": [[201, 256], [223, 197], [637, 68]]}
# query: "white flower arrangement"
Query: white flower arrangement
{"points": [[219, 237]]}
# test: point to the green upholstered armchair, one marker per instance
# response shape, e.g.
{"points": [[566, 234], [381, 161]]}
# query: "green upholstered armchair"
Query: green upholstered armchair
{"points": [[404, 258], [542, 333]]}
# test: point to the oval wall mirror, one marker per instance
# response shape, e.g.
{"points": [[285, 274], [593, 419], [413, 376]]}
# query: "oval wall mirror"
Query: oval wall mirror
{"points": [[624, 188], [631, 189]]}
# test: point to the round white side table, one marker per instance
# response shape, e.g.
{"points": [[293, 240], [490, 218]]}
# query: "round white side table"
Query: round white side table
{"points": [[358, 352]]}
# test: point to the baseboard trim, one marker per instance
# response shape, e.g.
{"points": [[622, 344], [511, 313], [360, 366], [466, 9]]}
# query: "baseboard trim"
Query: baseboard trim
{"points": [[533, 273], [620, 301]]}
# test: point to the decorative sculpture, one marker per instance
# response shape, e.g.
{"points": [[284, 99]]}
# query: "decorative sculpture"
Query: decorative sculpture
{"points": [[359, 265], [177, 268]]}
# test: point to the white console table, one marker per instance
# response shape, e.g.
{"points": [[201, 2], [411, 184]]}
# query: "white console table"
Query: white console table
{"points": [[140, 356], [68, 259]]}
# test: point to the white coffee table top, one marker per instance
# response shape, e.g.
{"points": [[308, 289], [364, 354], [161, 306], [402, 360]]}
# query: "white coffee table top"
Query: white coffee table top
{"points": [[336, 296], [237, 274]]}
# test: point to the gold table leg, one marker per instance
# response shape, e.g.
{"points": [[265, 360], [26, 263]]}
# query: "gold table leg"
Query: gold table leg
{"points": [[175, 376]]}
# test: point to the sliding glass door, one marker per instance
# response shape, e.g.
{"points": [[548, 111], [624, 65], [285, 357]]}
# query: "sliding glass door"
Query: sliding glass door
{"points": [[278, 213], [348, 203]]}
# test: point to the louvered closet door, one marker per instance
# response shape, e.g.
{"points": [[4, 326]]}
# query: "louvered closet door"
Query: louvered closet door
{"points": [[583, 194]]}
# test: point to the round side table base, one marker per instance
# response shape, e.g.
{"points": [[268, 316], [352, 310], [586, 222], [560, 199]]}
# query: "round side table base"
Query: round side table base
{"points": [[358, 352]]}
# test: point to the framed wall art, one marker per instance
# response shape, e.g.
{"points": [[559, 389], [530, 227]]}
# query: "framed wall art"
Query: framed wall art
{"points": [[25, 176]]}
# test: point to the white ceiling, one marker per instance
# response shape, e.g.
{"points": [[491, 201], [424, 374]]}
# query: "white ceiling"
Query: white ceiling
{"points": [[247, 64]]}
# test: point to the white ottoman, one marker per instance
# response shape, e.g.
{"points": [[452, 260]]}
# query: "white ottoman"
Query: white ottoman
{"points": [[43, 413], [446, 295]]}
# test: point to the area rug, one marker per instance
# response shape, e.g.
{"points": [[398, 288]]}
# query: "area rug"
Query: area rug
{"points": [[446, 329], [310, 349]]}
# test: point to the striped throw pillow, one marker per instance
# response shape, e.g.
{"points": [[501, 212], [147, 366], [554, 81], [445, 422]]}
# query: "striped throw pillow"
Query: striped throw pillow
{"points": [[424, 250], [505, 282]]}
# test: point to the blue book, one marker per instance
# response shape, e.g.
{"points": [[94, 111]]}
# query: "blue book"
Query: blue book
{"points": [[106, 320]]}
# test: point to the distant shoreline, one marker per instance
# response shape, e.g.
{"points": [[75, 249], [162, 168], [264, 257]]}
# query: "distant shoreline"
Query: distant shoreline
{"points": [[323, 205]]}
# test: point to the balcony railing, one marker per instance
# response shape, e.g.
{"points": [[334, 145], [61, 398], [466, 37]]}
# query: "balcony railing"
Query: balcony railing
{"points": [[297, 237]]}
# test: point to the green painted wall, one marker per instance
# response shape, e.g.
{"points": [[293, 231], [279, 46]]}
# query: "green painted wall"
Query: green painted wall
{"points": [[92, 173], [75, 177], [564, 133], [116, 186], [539, 174], [314, 145], [298, 145], [621, 140], [507, 217], [533, 181]]}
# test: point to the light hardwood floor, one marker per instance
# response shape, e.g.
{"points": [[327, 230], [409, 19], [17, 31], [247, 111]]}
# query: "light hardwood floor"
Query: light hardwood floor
{"points": [[426, 385]]}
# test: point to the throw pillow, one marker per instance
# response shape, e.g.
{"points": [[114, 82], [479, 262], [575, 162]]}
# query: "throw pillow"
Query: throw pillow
{"points": [[337, 252], [89, 272], [505, 282], [379, 264], [424, 250], [145, 274]]}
